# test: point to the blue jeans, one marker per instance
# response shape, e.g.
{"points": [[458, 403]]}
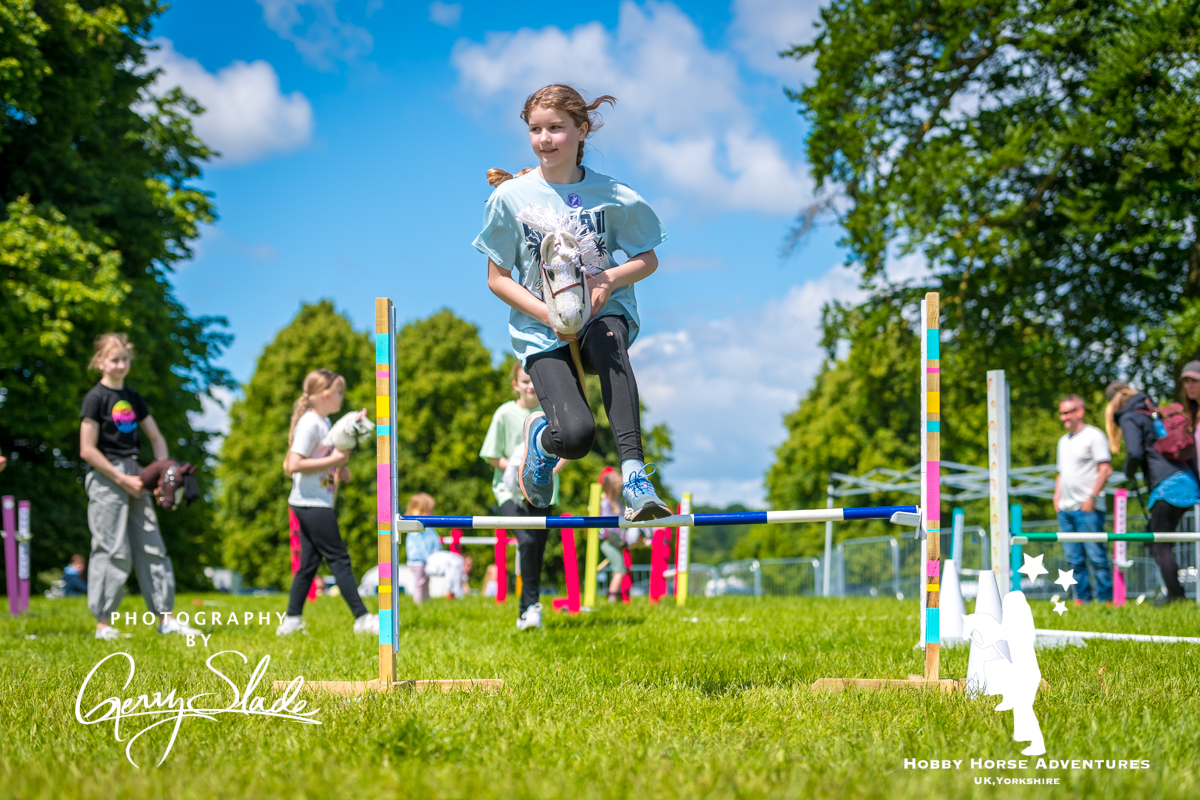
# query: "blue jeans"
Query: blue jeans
{"points": [[1080, 553]]}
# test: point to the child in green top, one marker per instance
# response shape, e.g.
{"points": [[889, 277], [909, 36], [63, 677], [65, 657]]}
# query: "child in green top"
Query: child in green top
{"points": [[502, 441]]}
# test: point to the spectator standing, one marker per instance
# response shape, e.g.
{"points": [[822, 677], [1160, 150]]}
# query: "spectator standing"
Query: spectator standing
{"points": [[314, 469], [1173, 486], [124, 527], [1190, 394], [1084, 464]]}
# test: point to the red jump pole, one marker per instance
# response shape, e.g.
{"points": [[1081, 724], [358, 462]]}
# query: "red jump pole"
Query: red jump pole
{"points": [[571, 573], [501, 566], [627, 581], [294, 535], [658, 565]]}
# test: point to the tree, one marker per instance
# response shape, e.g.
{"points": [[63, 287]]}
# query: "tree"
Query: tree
{"points": [[252, 514], [94, 174], [863, 412], [1043, 157], [446, 392]]}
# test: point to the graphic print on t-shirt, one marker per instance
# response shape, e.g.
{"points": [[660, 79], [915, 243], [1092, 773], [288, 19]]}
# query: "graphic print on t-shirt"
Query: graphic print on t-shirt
{"points": [[124, 417], [591, 220]]}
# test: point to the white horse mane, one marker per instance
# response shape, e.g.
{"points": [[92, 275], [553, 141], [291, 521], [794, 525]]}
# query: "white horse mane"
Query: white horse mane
{"points": [[552, 224]]}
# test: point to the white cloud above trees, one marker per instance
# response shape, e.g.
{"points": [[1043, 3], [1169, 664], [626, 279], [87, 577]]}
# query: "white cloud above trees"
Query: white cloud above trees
{"points": [[247, 117]]}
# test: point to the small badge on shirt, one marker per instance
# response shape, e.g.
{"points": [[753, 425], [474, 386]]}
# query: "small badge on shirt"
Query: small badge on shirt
{"points": [[574, 200]]}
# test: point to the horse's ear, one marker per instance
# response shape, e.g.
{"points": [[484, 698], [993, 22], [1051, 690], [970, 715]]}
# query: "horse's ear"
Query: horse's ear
{"points": [[547, 249]]}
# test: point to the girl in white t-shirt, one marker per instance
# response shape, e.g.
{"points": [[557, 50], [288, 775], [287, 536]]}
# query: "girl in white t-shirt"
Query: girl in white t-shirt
{"points": [[314, 468]]}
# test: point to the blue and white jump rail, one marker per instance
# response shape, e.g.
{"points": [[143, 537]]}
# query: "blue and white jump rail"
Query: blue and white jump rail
{"points": [[908, 516]]}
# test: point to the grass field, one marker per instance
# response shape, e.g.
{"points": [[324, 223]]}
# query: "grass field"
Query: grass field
{"points": [[711, 701]]}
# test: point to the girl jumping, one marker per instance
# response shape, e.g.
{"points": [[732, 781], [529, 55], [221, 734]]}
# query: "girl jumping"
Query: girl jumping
{"points": [[314, 467], [559, 122]]}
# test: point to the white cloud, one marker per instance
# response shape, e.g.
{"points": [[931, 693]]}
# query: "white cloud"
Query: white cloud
{"points": [[448, 15], [323, 39], [246, 115], [763, 28], [725, 385], [680, 115]]}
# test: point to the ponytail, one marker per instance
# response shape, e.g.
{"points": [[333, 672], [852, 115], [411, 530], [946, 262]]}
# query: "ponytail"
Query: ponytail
{"points": [[1119, 400], [498, 176], [315, 382]]}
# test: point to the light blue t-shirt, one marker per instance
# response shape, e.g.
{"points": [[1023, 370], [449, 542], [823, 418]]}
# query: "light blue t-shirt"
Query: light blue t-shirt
{"points": [[618, 215], [419, 545]]}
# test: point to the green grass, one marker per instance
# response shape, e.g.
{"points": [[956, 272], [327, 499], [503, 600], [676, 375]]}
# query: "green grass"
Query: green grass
{"points": [[711, 701]]}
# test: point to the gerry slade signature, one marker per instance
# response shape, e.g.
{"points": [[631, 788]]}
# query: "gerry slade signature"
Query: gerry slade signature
{"points": [[174, 710]]}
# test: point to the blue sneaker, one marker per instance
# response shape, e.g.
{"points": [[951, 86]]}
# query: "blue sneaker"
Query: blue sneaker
{"points": [[537, 471], [641, 502]]}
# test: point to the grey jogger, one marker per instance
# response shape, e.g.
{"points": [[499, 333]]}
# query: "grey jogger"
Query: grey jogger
{"points": [[124, 534]]}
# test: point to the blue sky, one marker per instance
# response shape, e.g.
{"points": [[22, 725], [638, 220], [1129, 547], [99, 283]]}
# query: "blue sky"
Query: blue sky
{"points": [[356, 135]]}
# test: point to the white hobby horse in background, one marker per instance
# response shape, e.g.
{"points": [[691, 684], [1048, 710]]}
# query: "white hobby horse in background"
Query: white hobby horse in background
{"points": [[348, 434]]}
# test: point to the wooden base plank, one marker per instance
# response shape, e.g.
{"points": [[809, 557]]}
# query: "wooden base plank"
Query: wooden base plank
{"points": [[352, 688], [879, 684], [945, 685]]}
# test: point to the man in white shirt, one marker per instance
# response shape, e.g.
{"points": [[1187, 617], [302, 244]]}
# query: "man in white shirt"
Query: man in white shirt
{"points": [[1084, 464]]}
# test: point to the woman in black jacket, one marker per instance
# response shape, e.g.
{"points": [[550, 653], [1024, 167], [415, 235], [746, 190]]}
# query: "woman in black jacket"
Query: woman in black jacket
{"points": [[1172, 484]]}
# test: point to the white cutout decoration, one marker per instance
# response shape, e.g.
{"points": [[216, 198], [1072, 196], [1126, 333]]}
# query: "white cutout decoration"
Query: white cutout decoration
{"points": [[1017, 677]]}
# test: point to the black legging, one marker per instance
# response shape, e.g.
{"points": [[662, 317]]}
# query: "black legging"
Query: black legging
{"points": [[531, 550], [320, 538], [570, 429], [1164, 518]]}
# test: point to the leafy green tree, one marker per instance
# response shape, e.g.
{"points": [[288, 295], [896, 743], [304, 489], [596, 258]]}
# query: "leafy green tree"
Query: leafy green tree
{"points": [[1044, 161], [447, 390], [94, 174], [252, 514], [1044, 157], [863, 412]]}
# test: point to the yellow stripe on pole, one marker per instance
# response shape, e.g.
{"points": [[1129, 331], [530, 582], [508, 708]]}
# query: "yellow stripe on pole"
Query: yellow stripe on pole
{"points": [[683, 555], [593, 550]]}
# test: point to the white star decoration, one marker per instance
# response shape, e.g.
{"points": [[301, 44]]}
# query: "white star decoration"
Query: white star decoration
{"points": [[1033, 567], [1066, 579], [1060, 608]]}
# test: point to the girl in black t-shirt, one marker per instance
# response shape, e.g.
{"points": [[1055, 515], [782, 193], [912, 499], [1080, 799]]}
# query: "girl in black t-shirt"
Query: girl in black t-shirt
{"points": [[121, 515]]}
